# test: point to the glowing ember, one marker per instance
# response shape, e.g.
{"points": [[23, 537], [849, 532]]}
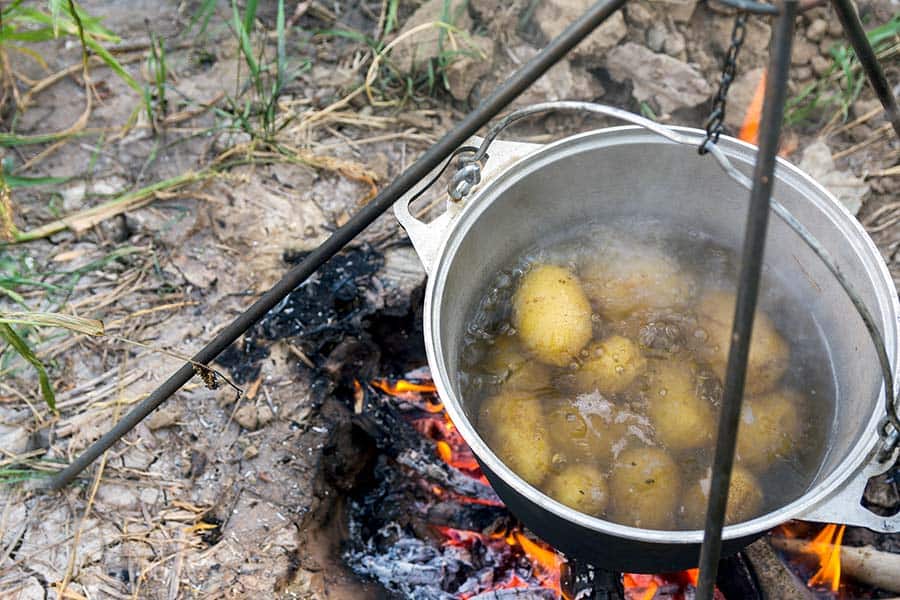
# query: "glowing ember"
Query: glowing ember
{"points": [[664, 586]]}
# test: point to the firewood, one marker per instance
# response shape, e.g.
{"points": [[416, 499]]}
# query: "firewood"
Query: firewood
{"points": [[865, 564]]}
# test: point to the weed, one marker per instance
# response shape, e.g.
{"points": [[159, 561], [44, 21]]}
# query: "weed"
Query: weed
{"points": [[840, 87], [155, 92]]}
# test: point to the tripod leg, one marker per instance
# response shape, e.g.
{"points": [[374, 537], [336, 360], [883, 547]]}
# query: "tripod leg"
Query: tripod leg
{"points": [[857, 38]]}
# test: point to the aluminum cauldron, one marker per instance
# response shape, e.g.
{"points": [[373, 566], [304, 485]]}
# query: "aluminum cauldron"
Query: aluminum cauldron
{"points": [[523, 190]]}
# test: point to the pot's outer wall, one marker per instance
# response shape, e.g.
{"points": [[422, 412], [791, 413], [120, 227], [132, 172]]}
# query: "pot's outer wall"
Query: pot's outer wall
{"points": [[604, 551]]}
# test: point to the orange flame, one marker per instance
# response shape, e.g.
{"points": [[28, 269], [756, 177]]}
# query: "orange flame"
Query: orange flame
{"points": [[750, 127], [827, 546], [402, 386]]}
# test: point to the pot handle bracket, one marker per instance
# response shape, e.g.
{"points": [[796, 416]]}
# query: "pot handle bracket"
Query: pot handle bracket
{"points": [[427, 237], [845, 505]]}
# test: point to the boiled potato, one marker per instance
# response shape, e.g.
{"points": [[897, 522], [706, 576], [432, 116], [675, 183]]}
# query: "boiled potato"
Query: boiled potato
{"points": [[769, 353], [769, 428], [506, 359], [552, 314], [581, 487], [625, 280], [682, 420], [513, 425], [645, 487], [612, 364], [588, 427], [745, 499]]}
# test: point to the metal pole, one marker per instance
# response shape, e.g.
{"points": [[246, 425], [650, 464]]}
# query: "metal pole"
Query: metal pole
{"points": [[512, 87], [748, 289], [856, 35]]}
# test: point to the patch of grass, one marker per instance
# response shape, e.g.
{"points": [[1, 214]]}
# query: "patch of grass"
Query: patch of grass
{"points": [[836, 91]]}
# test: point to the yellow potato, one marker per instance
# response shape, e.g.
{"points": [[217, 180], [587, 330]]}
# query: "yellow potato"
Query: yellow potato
{"points": [[611, 365], [581, 487], [682, 420], [769, 353], [745, 499], [622, 281], [514, 427], [769, 428], [552, 314], [645, 486], [505, 359], [591, 428]]}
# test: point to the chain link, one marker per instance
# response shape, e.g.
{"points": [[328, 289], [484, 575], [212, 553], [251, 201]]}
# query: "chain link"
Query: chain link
{"points": [[714, 123]]}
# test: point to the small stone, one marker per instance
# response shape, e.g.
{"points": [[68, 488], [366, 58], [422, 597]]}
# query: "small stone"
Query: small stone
{"points": [[825, 46], [656, 36], [470, 66], [247, 417], [163, 417], [250, 452], [419, 48], [681, 11], [820, 65], [264, 415], [673, 84], [740, 95], [638, 14], [835, 29], [816, 30], [849, 189], [553, 16], [803, 52], [803, 73], [675, 46], [563, 81]]}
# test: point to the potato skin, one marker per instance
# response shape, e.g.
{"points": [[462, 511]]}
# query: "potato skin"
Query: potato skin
{"points": [[682, 420], [513, 425], [769, 428], [645, 487], [552, 314], [581, 487], [611, 366], [507, 359], [769, 353], [593, 429], [745, 499], [623, 281]]}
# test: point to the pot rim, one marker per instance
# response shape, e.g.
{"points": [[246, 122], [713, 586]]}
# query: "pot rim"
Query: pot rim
{"points": [[744, 153]]}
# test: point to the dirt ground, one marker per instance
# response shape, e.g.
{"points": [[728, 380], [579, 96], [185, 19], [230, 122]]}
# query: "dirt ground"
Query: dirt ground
{"points": [[216, 497]]}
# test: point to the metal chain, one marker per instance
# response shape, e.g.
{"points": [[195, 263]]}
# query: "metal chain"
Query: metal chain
{"points": [[714, 123]]}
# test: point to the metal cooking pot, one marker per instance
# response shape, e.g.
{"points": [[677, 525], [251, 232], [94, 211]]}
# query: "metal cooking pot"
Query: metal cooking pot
{"points": [[652, 170]]}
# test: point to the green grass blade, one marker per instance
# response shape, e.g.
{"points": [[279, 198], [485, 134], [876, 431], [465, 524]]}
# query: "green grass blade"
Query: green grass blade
{"points": [[281, 66], [14, 181], [250, 15], [113, 64], [56, 7], [244, 40], [390, 21], [12, 338], [204, 14]]}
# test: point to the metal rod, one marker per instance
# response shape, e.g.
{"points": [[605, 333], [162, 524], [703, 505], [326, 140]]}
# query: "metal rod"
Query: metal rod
{"points": [[512, 87], [856, 35], [748, 291]]}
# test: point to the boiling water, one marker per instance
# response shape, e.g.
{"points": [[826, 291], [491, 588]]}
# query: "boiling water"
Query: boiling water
{"points": [[623, 427]]}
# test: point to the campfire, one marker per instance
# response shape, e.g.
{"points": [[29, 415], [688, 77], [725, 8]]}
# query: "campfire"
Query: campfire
{"points": [[430, 525]]}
